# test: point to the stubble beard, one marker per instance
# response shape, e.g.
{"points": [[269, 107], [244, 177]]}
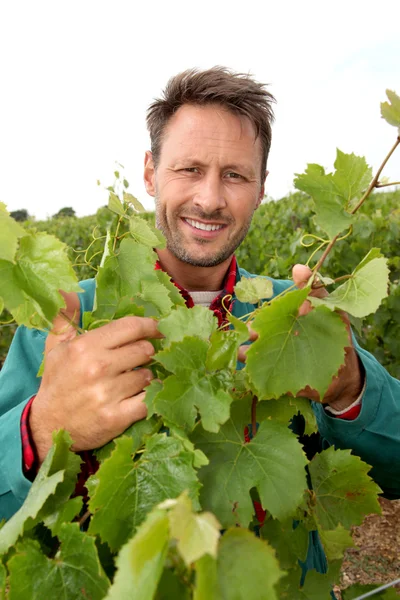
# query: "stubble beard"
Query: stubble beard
{"points": [[176, 242]]}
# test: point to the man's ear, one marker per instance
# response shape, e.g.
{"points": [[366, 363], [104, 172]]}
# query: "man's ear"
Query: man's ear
{"points": [[149, 174], [262, 191]]}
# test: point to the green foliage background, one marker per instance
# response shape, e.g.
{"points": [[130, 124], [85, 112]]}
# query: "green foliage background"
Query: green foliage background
{"points": [[272, 246]]}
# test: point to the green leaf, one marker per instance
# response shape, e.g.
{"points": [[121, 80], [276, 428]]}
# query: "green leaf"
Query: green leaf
{"points": [[3, 575], [222, 353], [140, 562], [74, 573], [115, 205], [199, 458], [390, 111], [335, 542], [138, 431], [352, 176], [292, 351], [197, 321], [247, 565], [30, 288], [289, 542], [316, 586], [330, 213], [55, 477], [285, 408], [146, 234], [356, 590], [253, 289], [174, 293], [134, 202], [273, 462], [240, 328], [206, 587], [344, 492], [197, 534], [365, 289], [130, 489], [192, 388], [172, 586], [11, 231]]}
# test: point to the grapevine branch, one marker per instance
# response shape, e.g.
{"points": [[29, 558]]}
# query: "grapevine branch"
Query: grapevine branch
{"points": [[372, 185]]}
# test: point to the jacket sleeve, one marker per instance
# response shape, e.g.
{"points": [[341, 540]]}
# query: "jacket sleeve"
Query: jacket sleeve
{"points": [[18, 383], [375, 434]]}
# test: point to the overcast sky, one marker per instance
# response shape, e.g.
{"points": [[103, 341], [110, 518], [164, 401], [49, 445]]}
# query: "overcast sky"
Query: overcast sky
{"points": [[76, 78]]}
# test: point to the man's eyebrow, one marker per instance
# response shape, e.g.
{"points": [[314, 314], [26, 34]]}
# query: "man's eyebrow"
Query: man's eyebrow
{"points": [[248, 170]]}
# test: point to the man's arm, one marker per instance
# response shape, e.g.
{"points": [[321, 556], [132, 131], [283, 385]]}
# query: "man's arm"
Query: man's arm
{"points": [[18, 383]]}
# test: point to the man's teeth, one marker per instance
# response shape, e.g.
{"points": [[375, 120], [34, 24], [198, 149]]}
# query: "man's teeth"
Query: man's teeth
{"points": [[203, 226]]}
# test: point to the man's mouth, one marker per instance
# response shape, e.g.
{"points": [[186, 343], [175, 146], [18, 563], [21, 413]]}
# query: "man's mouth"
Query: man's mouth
{"points": [[204, 226]]}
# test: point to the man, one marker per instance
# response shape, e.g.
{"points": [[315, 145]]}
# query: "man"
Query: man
{"points": [[210, 137]]}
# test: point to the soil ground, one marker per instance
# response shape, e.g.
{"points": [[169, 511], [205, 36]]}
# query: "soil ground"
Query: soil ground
{"points": [[377, 556]]}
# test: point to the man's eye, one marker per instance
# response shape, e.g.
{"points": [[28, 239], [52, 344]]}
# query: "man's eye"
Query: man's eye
{"points": [[234, 176], [191, 169]]}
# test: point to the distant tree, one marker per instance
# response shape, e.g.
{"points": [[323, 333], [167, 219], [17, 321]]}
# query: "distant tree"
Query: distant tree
{"points": [[67, 211], [20, 215]]}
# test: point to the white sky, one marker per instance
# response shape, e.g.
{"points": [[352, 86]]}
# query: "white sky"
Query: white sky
{"points": [[77, 76]]}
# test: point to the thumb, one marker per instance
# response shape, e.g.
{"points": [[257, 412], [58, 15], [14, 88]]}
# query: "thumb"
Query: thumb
{"points": [[63, 325], [301, 274]]}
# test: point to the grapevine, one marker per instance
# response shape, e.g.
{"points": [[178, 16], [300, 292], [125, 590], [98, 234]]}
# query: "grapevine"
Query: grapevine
{"points": [[171, 510]]}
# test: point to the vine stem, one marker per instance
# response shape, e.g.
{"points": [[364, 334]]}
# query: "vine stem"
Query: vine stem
{"points": [[372, 185], [381, 185], [254, 416]]}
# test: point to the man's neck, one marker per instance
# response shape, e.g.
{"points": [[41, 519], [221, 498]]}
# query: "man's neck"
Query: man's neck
{"points": [[191, 277]]}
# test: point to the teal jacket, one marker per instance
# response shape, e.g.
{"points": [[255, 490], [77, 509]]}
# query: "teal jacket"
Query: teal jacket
{"points": [[374, 435]]}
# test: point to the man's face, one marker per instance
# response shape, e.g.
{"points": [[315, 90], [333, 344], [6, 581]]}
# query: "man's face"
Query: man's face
{"points": [[207, 183]]}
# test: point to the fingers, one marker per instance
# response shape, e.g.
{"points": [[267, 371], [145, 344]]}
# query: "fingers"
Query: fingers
{"points": [[124, 331], [130, 356]]}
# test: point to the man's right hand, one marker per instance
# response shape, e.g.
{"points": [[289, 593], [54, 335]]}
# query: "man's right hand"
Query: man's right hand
{"points": [[92, 384]]}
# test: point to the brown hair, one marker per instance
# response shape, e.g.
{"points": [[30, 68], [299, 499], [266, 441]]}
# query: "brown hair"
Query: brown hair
{"points": [[237, 92]]}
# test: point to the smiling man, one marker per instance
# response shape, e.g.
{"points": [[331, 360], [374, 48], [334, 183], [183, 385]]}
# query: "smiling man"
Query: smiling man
{"points": [[210, 138]]}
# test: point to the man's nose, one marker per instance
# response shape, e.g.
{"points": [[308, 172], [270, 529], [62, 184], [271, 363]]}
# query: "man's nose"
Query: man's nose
{"points": [[210, 194]]}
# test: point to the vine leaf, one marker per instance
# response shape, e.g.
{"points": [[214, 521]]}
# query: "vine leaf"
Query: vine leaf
{"points": [[330, 213], [3, 575], [115, 204], [365, 289], [140, 562], [197, 321], [335, 542], [52, 487], [206, 587], [11, 231], [253, 289], [285, 408], [294, 351], [352, 176], [273, 462], [316, 586], [192, 387], [130, 489], [137, 431], [197, 534], [247, 563], [30, 288], [134, 202], [144, 233], [289, 542], [344, 493], [75, 569], [390, 111]]}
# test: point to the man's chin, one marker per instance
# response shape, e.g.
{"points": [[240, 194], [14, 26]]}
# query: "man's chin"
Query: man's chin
{"points": [[198, 259]]}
